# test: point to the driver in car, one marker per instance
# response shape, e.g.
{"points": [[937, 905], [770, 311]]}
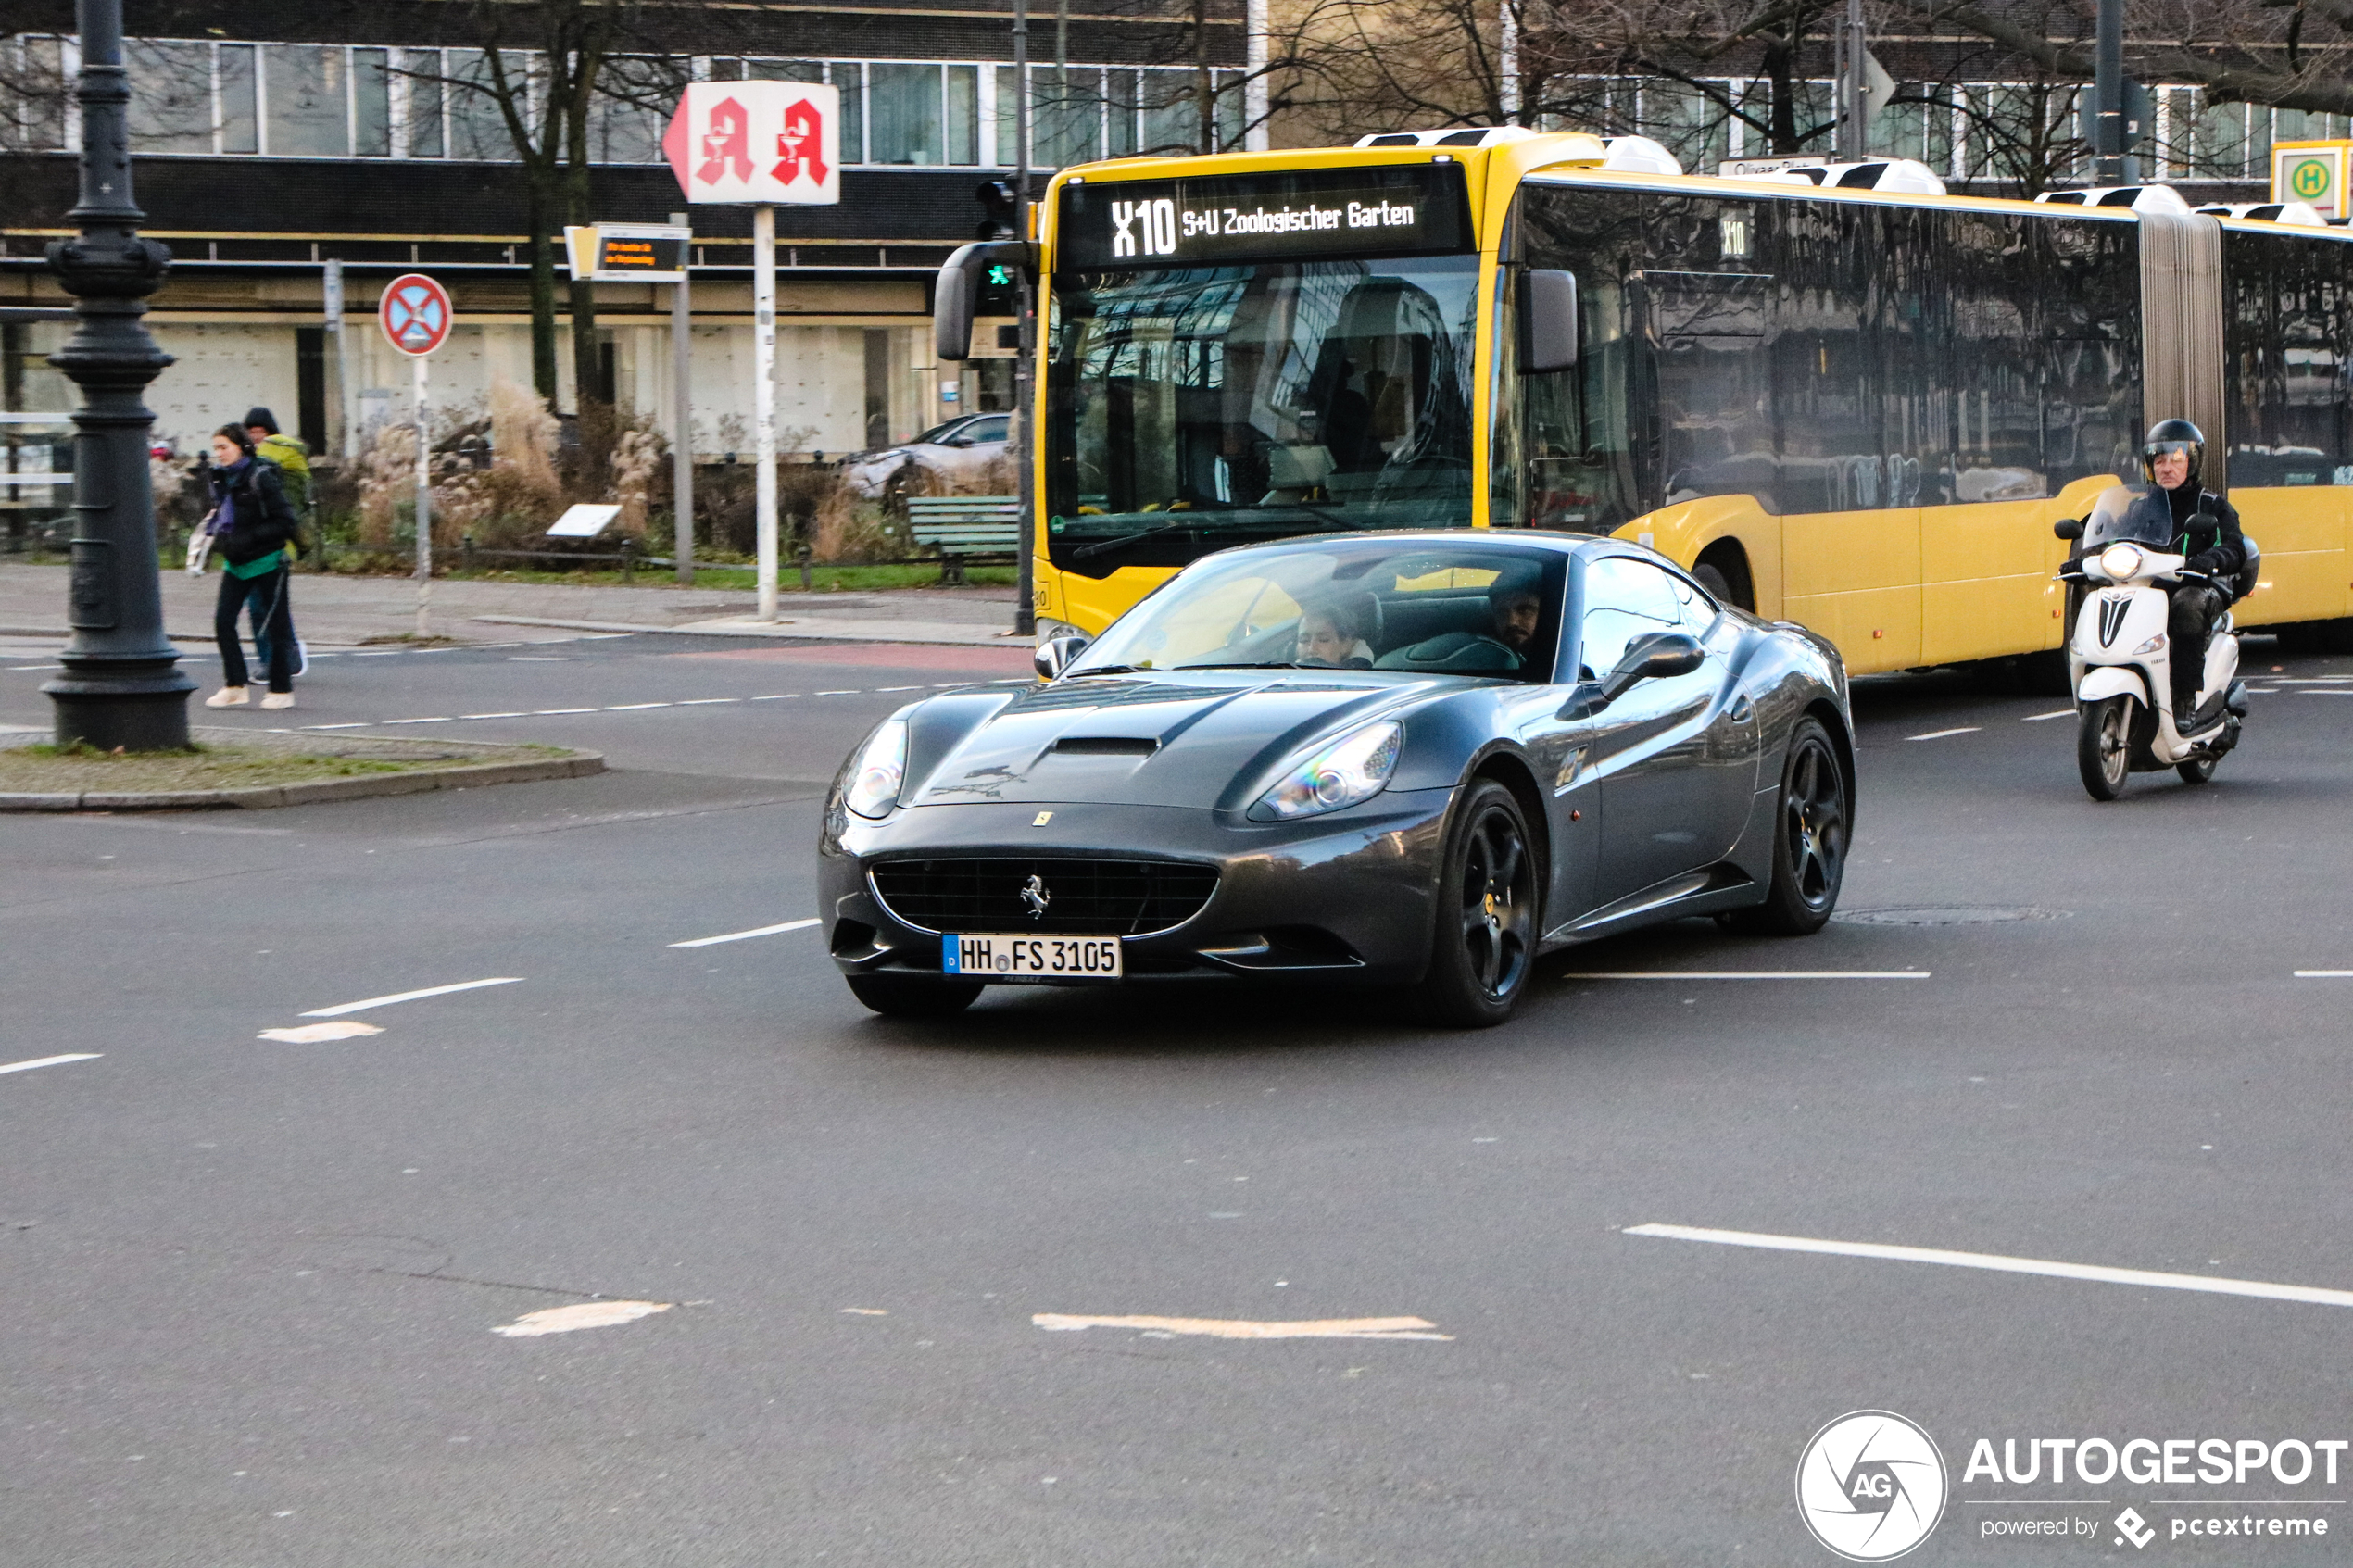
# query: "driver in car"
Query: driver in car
{"points": [[2171, 455], [1515, 611]]}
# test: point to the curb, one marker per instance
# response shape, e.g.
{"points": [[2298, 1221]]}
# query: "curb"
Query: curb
{"points": [[811, 630], [261, 796]]}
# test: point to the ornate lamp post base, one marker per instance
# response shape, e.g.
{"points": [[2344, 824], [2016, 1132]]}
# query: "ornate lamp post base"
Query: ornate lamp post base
{"points": [[121, 685]]}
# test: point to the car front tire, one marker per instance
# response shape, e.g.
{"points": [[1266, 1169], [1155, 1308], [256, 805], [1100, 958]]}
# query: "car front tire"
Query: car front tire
{"points": [[896, 998], [1484, 948]]}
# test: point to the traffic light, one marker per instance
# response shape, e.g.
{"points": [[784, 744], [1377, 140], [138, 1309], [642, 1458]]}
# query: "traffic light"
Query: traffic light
{"points": [[998, 295], [1002, 202]]}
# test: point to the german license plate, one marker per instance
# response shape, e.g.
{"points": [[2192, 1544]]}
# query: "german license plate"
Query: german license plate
{"points": [[1030, 957]]}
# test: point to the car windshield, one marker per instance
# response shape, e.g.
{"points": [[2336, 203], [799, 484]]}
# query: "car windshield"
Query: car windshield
{"points": [[1194, 407], [2130, 514], [937, 432], [1490, 611]]}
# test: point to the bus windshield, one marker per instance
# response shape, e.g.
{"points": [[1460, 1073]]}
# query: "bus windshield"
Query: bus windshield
{"points": [[1194, 407]]}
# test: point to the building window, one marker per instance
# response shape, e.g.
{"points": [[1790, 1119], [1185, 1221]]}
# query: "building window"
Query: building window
{"points": [[422, 76], [171, 90], [308, 90], [240, 113], [371, 103]]}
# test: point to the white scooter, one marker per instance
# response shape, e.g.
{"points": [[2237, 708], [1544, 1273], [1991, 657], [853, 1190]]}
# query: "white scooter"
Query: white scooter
{"points": [[2119, 658]]}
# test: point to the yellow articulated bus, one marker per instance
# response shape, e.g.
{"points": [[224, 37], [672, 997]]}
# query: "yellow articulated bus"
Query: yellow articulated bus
{"points": [[1858, 404]]}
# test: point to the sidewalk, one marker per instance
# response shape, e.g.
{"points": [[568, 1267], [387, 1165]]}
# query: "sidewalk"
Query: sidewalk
{"points": [[336, 611]]}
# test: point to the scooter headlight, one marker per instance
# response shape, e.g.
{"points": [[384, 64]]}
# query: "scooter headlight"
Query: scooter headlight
{"points": [[2155, 645], [2120, 561]]}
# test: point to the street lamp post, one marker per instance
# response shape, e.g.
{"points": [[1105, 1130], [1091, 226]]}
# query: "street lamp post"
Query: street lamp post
{"points": [[121, 686]]}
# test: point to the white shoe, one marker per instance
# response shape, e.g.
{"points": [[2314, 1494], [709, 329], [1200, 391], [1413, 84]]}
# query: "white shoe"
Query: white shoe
{"points": [[278, 699], [227, 696]]}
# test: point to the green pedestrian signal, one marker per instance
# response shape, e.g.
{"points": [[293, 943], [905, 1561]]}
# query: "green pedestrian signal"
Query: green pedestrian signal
{"points": [[1000, 277]]}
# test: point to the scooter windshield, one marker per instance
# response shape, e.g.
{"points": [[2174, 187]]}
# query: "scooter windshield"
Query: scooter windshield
{"points": [[2130, 514]]}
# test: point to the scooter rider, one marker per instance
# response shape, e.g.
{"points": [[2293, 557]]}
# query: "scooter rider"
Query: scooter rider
{"points": [[2170, 458]]}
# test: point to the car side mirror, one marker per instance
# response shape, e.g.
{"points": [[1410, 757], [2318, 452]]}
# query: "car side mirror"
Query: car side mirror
{"points": [[1055, 655], [1656, 657], [1547, 320], [957, 441], [2067, 528]]}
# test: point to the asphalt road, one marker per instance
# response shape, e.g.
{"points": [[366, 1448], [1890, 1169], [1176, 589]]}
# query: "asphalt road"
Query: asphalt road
{"points": [[249, 1285]]}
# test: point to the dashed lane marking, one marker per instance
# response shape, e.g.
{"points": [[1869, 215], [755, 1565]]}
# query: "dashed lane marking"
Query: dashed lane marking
{"points": [[1751, 974], [1231, 1328], [49, 1062], [634, 706], [551, 712], [410, 996], [705, 702], [2001, 1263], [2055, 713], [437, 719], [1940, 734], [319, 1034], [518, 715], [841, 694], [589, 1314], [2324, 975], [744, 936]]}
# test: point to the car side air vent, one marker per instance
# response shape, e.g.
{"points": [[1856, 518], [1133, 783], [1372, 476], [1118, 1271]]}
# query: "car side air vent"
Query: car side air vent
{"points": [[1106, 746]]}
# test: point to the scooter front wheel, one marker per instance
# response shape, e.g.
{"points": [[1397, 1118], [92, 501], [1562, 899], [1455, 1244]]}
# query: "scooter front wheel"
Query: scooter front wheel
{"points": [[2104, 745]]}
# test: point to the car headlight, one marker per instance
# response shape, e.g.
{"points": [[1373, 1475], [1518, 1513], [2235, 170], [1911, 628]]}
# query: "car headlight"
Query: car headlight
{"points": [[2119, 561], [881, 768], [1353, 769]]}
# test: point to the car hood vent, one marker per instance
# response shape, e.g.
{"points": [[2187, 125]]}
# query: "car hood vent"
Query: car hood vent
{"points": [[1107, 746]]}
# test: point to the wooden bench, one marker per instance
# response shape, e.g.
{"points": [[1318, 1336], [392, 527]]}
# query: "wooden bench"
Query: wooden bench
{"points": [[961, 527]]}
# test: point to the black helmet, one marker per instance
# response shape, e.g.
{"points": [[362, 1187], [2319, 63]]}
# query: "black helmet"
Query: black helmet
{"points": [[2173, 435]]}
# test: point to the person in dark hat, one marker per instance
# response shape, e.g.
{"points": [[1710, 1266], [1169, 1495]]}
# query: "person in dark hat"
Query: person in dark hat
{"points": [[251, 526], [291, 455]]}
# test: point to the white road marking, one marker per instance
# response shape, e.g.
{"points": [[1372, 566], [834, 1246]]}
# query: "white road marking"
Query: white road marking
{"points": [[2324, 975], [2308, 680], [589, 1314], [382, 653], [2000, 1263], [540, 659], [411, 996], [705, 701], [1940, 734], [549, 712], [1226, 1328], [2333, 691], [318, 1034], [1750, 975], [773, 697], [494, 715], [49, 1062], [436, 719], [741, 936], [359, 726], [633, 707], [21, 668], [2055, 713], [840, 694], [898, 688], [867, 1312]]}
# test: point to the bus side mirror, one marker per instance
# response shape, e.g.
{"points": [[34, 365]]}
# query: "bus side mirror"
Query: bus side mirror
{"points": [[1547, 320], [956, 297], [2068, 528]]}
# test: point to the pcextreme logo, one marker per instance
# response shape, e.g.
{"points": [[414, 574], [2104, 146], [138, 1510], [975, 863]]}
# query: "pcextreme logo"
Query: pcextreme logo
{"points": [[1870, 1485]]}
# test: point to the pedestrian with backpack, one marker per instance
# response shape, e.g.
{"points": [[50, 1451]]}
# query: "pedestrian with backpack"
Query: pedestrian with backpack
{"points": [[251, 525], [291, 454]]}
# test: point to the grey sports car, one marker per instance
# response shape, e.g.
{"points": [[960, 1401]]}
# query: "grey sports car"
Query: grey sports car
{"points": [[1411, 760]]}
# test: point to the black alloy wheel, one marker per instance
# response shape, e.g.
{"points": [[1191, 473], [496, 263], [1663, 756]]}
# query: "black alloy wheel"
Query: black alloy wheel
{"points": [[2104, 745], [1809, 840], [897, 997], [1485, 946]]}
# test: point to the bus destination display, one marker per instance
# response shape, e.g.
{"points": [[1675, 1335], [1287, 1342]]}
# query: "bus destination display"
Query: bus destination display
{"points": [[1397, 209]]}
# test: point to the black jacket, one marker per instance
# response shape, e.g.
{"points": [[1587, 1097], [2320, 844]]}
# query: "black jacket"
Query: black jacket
{"points": [[2219, 551], [261, 517]]}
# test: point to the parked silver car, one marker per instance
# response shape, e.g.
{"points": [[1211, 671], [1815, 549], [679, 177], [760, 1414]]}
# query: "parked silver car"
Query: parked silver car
{"points": [[953, 454]]}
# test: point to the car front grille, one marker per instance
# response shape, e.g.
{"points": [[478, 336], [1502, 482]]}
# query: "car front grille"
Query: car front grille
{"points": [[1083, 897]]}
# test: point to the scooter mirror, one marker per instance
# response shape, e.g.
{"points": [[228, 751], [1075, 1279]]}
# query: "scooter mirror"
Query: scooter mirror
{"points": [[2067, 528], [2204, 520]]}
